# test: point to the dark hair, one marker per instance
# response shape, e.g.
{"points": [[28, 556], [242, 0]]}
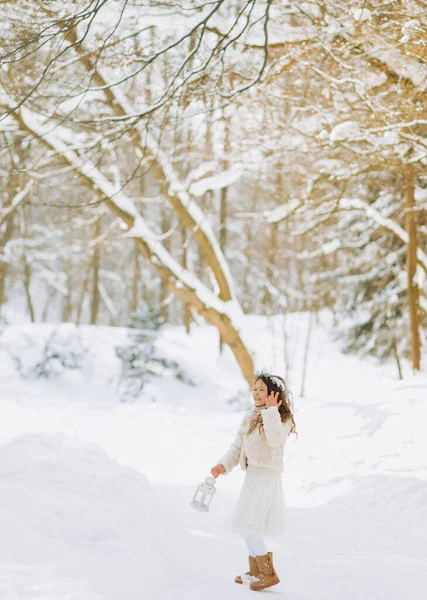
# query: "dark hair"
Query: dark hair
{"points": [[276, 384]]}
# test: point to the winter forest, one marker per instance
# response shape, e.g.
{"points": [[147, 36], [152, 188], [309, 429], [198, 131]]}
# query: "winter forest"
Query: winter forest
{"points": [[216, 158], [190, 190]]}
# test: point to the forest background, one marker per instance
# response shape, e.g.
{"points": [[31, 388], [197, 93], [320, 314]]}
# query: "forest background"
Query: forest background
{"points": [[216, 159]]}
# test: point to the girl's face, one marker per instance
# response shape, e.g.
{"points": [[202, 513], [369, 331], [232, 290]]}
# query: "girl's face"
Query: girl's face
{"points": [[259, 393]]}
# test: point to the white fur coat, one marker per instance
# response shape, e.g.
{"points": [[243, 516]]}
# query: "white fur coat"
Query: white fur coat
{"points": [[258, 449]]}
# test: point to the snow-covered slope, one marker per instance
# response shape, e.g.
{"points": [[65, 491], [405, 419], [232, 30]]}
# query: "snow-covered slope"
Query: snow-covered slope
{"points": [[95, 494]]}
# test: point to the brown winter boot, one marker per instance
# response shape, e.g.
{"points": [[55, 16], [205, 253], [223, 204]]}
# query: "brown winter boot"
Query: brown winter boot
{"points": [[267, 576], [253, 569]]}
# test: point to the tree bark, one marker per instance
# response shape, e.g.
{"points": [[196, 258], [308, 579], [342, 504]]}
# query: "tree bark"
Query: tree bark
{"points": [[187, 311], [95, 298], [135, 281], [67, 299], [411, 265], [397, 358], [83, 294], [163, 291], [8, 232], [27, 286], [270, 267], [7, 223], [306, 351], [223, 235]]}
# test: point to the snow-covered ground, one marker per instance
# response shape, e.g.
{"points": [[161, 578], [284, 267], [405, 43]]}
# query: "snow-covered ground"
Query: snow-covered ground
{"points": [[95, 493]]}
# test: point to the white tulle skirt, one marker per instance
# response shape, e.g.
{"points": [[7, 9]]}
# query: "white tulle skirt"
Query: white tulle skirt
{"points": [[260, 509]]}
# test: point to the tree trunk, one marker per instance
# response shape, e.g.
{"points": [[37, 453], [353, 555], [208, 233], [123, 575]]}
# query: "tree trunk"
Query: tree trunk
{"points": [[135, 280], [223, 207], [223, 233], [7, 224], [27, 285], [8, 232], [83, 292], [270, 268], [397, 358], [67, 300], [411, 265], [247, 302], [95, 300], [163, 290], [306, 351], [187, 311]]}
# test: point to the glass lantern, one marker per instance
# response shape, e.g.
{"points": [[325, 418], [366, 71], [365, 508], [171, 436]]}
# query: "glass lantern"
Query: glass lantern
{"points": [[203, 495]]}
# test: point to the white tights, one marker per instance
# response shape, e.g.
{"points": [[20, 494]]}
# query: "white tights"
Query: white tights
{"points": [[256, 545]]}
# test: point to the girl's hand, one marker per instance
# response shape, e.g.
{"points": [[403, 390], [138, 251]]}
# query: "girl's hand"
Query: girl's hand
{"points": [[272, 400], [217, 470]]}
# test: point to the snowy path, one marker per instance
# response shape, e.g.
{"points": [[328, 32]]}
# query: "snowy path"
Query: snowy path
{"points": [[77, 525]]}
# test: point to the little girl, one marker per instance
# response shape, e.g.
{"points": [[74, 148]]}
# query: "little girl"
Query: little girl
{"points": [[258, 447]]}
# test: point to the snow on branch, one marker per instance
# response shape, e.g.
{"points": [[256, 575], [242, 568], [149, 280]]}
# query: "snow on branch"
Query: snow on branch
{"points": [[397, 62], [186, 208], [57, 138], [282, 212], [382, 50], [216, 182], [15, 202], [324, 250], [377, 217], [206, 168]]}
